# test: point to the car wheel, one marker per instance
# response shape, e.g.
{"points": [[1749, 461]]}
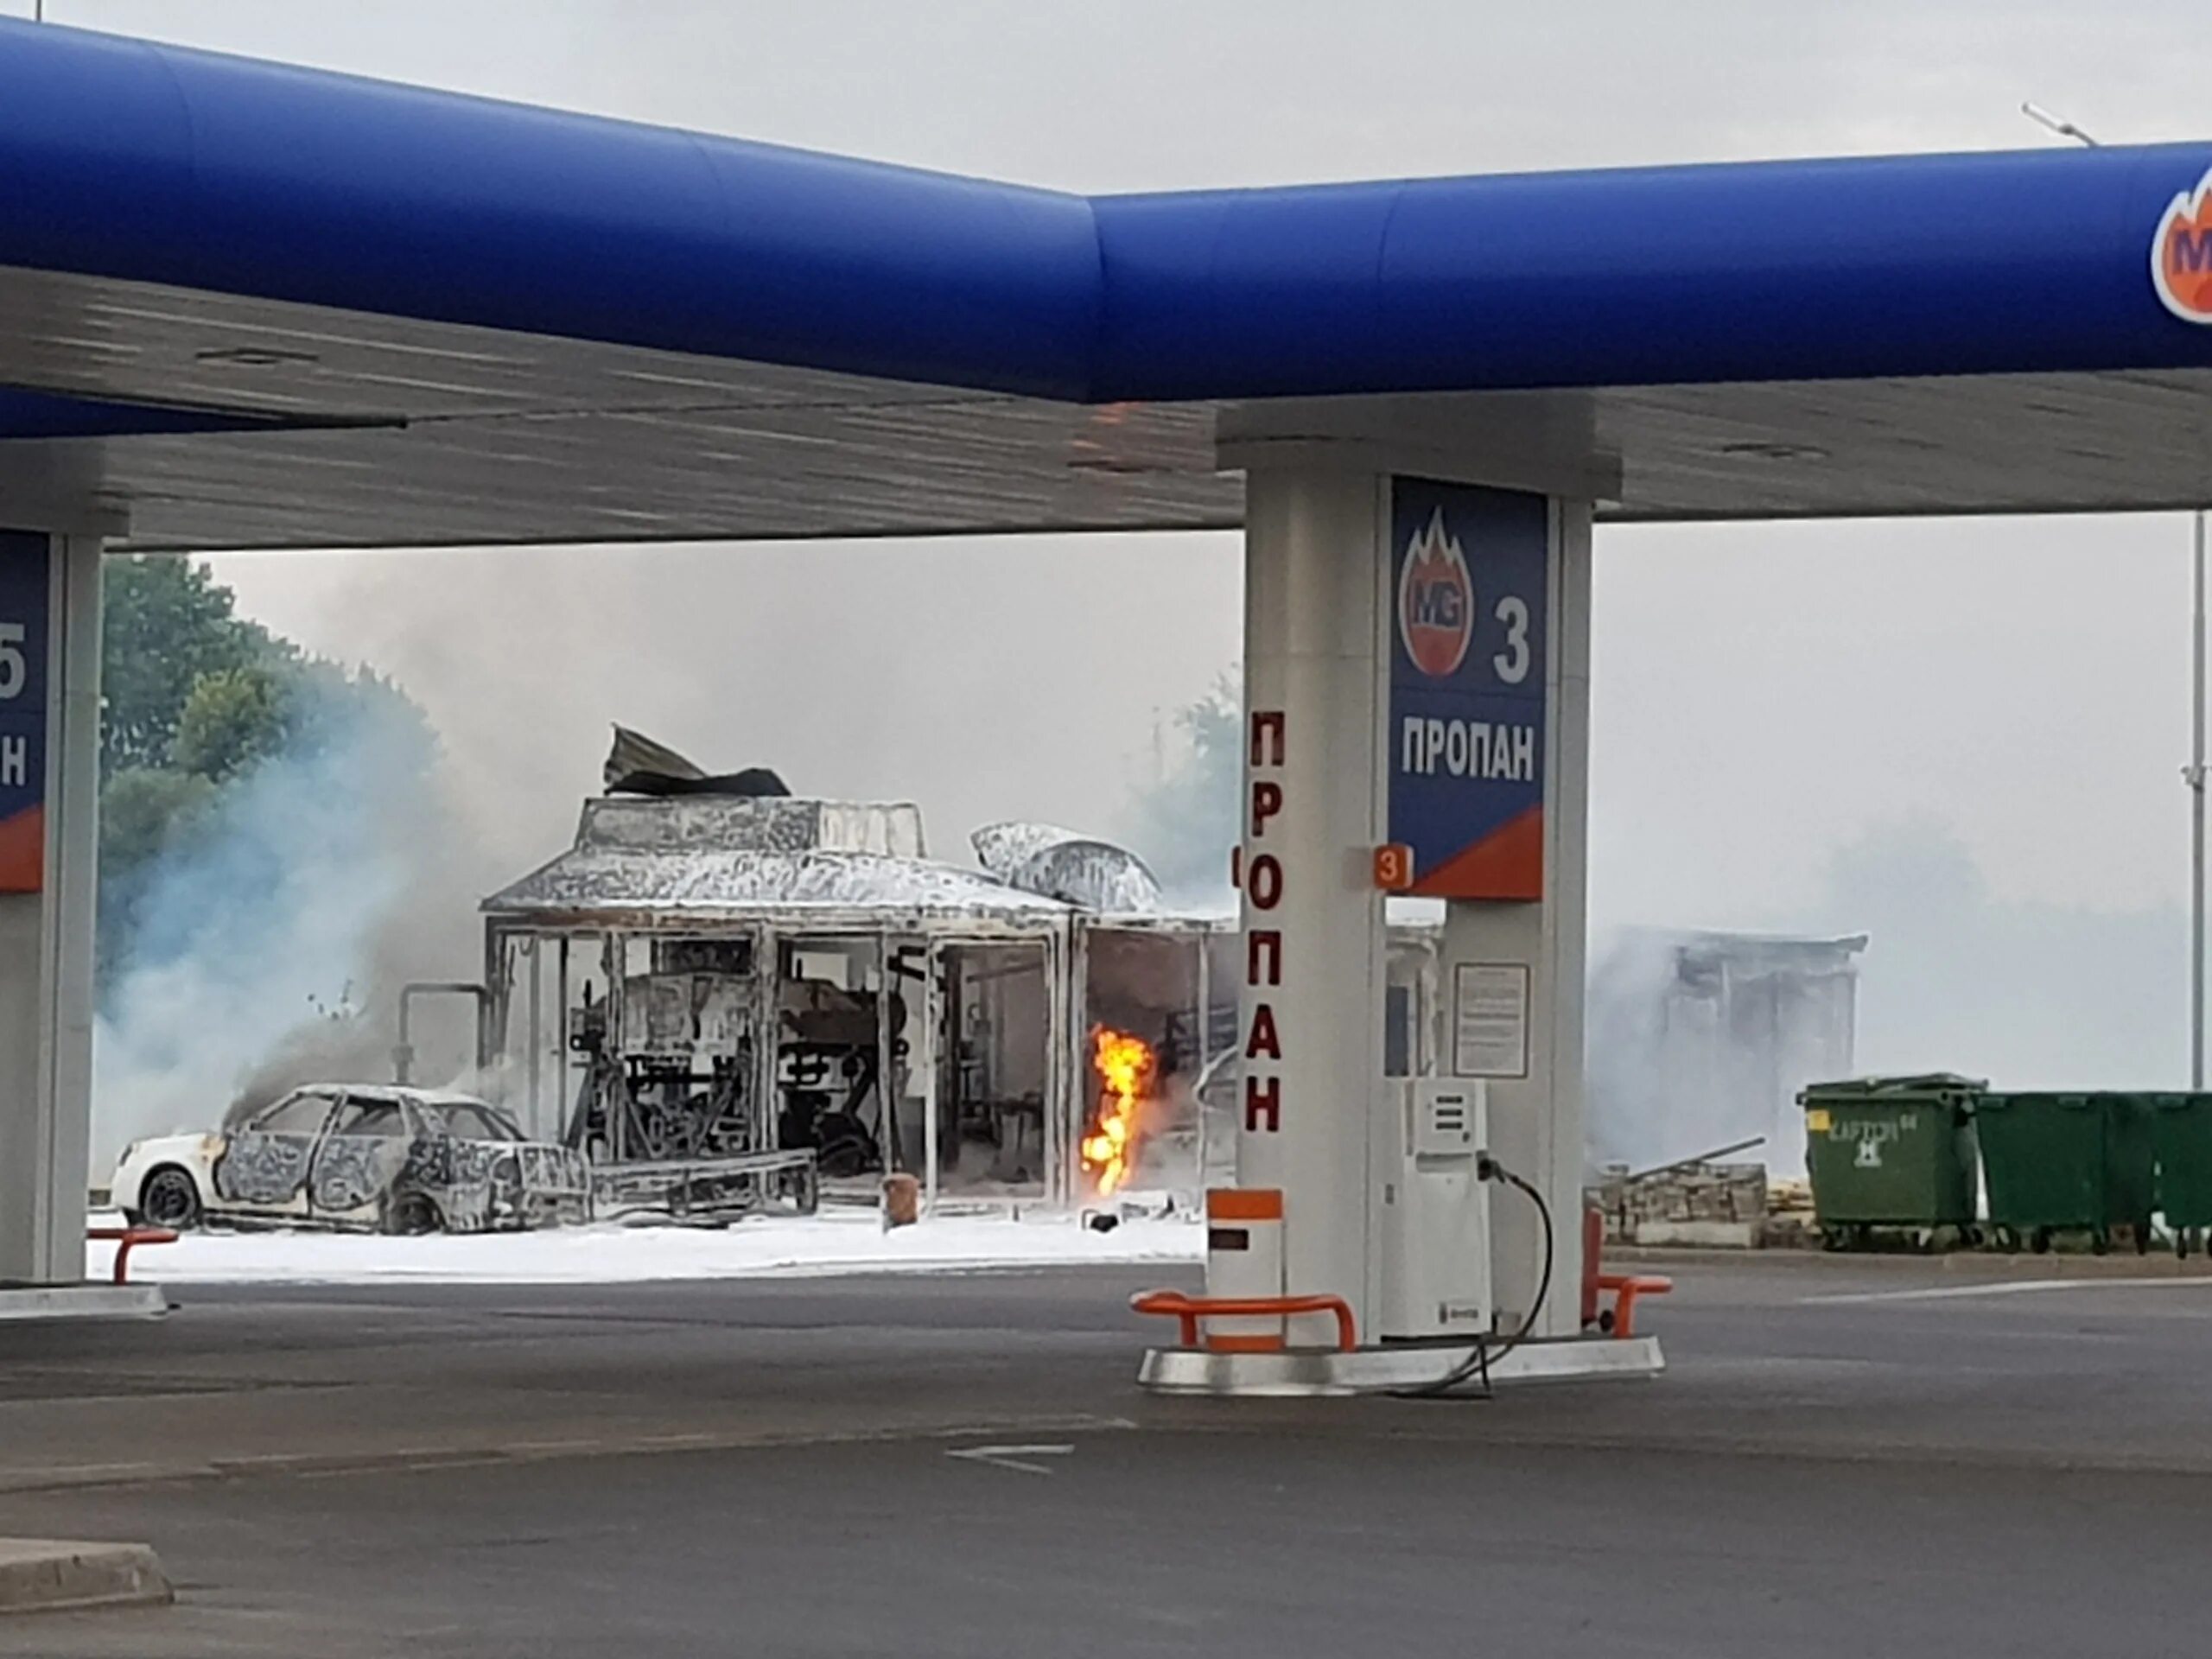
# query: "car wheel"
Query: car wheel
{"points": [[170, 1198], [411, 1215]]}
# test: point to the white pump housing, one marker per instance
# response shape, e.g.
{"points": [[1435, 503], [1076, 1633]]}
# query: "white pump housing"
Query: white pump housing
{"points": [[1435, 1213]]}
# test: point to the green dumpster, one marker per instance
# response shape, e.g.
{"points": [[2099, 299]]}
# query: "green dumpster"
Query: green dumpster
{"points": [[2067, 1163], [2181, 1141], [1891, 1152]]}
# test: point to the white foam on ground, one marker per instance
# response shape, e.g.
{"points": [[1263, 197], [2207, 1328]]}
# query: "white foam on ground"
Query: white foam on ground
{"points": [[836, 1241]]}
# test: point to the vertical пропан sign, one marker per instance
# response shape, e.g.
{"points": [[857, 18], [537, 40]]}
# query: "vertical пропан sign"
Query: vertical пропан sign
{"points": [[25, 579], [1468, 621]]}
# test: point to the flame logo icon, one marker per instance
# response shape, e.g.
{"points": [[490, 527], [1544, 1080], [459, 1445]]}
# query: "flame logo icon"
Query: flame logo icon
{"points": [[2181, 254], [1436, 599]]}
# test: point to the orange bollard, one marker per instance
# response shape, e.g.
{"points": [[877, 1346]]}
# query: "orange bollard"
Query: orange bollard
{"points": [[1593, 1248]]}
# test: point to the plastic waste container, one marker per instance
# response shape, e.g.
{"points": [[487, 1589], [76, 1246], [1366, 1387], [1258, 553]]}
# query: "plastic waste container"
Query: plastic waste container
{"points": [[2067, 1163], [2181, 1142], [1891, 1152]]}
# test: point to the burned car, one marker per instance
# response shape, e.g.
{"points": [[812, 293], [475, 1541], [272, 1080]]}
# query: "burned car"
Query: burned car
{"points": [[357, 1157]]}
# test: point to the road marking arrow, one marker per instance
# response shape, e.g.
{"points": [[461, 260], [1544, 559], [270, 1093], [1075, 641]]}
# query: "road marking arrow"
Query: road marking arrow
{"points": [[1012, 1457]]}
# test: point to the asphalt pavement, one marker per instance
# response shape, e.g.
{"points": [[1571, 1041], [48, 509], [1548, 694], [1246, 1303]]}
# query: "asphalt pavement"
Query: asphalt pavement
{"points": [[1846, 1457]]}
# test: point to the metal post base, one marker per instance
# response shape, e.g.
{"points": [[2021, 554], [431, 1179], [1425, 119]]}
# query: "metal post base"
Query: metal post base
{"points": [[1376, 1370], [22, 1304]]}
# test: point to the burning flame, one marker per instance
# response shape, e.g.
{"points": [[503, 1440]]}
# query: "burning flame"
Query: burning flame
{"points": [[2181, 254], [1125, 1065]]}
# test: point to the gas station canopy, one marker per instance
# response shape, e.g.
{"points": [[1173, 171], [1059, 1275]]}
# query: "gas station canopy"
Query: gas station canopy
{"points": [[243, 305]]}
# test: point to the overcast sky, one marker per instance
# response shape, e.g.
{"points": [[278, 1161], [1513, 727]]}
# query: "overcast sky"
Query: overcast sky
{"points": [[1765, 694]]}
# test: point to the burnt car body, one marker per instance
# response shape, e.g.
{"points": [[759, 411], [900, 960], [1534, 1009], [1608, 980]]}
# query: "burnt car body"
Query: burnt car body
{"points": [[360, 1157]]}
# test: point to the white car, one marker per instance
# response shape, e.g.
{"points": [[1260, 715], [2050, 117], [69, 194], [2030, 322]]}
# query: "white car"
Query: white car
{"points": [[357, 1157]]}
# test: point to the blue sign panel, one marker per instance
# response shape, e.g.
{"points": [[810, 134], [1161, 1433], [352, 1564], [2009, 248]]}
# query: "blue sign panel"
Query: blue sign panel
{"points": [[1468, 619], [25, 578]]}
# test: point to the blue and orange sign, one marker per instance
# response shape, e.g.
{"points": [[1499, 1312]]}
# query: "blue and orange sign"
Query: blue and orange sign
{"points": [[1466, 692], [2181, 254], [24, 578]]}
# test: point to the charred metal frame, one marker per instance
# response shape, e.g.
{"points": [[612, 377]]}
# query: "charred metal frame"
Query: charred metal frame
{"points": [[510, 939], [403, 1053], [789, 873]]}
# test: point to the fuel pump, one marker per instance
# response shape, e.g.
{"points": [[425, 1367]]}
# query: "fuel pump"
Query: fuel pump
{"points": [[1435, 1214]]}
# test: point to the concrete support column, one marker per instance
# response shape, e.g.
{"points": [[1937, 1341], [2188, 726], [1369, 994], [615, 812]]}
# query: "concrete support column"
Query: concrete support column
{"points": [[1416, 713], [50, 614], [1536, 1121], [1312, 965]]}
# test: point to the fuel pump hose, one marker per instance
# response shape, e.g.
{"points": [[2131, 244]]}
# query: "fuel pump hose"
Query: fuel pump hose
{"points": [[1478, 1362]]}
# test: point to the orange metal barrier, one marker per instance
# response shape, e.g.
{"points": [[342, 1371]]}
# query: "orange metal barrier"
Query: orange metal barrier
{"points": [[1173, 1304], [127, 1239], [1626, 1287]]}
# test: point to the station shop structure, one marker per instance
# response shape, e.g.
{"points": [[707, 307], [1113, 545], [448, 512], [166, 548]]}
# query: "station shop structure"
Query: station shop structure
{"points": [[702, 978]]}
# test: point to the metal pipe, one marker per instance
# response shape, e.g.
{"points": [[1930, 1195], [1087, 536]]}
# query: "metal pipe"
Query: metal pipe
{"points": [[402, 1056], [886, 1111], [932, 1014], [1702, 1158], [766, 1008], [2193, 773], [535, 1064], [564, 1092], [615, 969], [1065, 1129], [1204, 994]]}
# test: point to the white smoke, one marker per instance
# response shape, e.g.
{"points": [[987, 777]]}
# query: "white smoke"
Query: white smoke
{"points": [[1960, 977], [269, 942]]}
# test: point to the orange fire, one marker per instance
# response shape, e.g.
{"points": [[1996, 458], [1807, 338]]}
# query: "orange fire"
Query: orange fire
{"points": [[1125, 1065]]}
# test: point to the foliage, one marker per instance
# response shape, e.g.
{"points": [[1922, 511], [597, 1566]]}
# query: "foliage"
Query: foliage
{"points": [[232, 719], [144, 807], [167, 624], [197, 703]]}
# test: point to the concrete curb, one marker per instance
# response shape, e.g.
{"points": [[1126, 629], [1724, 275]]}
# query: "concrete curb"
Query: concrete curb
{"points": [[57, 1575], [36, 1303], [1313, 1373]]}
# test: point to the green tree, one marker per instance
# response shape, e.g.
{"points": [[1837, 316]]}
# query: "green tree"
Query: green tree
{"points": [[233, 718], [167, 622], [144, 808], [328, 706], [196, 701]]}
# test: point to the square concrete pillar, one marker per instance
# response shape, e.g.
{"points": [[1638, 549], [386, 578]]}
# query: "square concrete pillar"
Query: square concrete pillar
{"points": [[1416, 701], [49, 802]]}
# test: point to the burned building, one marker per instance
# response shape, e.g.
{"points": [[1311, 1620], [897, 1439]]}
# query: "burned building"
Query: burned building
{"points": [[710, 978], [1698, 1041]]}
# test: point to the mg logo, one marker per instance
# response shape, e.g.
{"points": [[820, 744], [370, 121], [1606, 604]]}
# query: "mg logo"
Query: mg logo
{"points": [[2181, 254], [1436, 601]]}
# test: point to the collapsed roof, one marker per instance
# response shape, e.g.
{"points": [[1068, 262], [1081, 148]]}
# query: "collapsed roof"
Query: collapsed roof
{"points": [[1064, 864], [638, 766], [702, 858]]}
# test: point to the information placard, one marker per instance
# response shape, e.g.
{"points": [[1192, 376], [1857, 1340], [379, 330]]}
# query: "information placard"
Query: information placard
{"points": [[1489, 1019]]}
